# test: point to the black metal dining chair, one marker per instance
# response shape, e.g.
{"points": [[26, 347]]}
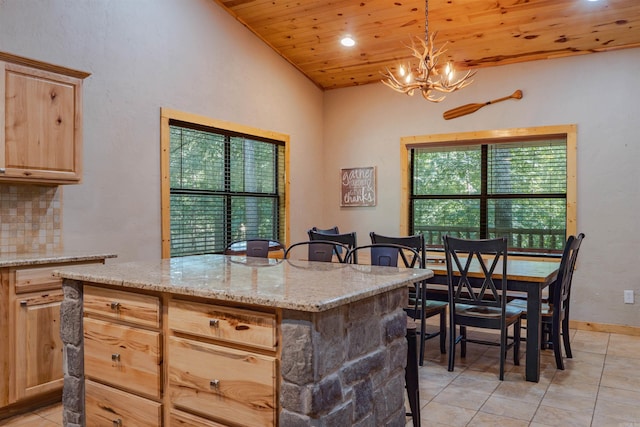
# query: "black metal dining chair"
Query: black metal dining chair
{"points": [[332, 230], [555, 313], [420, 307], [348, 239], [319, 250], [257, 247], [387, 255], [480, 302]]}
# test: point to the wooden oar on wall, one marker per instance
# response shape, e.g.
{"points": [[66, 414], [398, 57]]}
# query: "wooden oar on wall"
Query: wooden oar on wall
{"points": [[472, 108]]}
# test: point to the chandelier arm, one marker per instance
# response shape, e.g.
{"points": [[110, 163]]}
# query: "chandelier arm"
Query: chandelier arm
{"points": [[390, 80], [430, 98], [463, 82], [400, 87], [394, 83]]}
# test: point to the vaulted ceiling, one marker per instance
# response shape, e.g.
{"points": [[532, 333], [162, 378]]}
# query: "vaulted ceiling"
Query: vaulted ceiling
{"points": [[478, 33]]}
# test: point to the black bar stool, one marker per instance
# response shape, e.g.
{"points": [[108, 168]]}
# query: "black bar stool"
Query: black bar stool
{"points": [[411, 372]]}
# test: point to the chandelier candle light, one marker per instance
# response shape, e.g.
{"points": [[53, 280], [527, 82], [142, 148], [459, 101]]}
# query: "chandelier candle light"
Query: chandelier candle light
{"points": [[426, 77]]}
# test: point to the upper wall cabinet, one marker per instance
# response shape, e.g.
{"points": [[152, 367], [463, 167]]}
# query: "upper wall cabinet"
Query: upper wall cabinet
{"points": [[40, 122]]}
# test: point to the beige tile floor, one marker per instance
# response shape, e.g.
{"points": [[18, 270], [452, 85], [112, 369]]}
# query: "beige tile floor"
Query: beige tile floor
{"points": [[600, 387], [50, 416]]}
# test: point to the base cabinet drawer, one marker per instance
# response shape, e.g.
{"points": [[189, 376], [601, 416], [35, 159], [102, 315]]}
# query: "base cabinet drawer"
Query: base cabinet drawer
{"points": [[234, 325], [222, 383], [125, 306], [36, 279], [184, 419], [123, 356], [109, 407]]}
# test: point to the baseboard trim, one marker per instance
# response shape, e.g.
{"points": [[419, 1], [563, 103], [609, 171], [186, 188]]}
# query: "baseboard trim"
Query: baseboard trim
{"points": [[605, 327]]}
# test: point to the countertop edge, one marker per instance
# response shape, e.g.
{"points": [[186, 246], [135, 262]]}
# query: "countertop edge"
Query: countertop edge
{"points": [[36, 259]]}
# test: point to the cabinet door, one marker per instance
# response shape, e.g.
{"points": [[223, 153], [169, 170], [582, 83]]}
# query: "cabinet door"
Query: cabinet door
{"points": [[38, 351], [42, 126]]}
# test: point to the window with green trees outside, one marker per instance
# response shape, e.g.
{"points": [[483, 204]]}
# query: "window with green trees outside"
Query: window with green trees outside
{"points": [[224, 186], [487, 188]]}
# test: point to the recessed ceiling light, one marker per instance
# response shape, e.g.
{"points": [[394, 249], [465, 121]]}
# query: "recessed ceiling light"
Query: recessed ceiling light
{"points": [[347, 41]]}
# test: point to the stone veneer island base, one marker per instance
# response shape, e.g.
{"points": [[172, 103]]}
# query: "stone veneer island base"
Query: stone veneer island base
{"points": [[235, 341]]}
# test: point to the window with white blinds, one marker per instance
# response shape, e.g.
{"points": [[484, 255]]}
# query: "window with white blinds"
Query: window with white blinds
{"points": [[224, 186], [488, 190]]}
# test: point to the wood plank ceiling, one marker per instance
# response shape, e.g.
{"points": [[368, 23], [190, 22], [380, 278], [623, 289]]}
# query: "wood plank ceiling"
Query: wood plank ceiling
{"points": [[479, 33]]}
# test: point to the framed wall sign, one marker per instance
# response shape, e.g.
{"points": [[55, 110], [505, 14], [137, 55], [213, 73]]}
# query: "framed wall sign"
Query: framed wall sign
{"points": [[358, 186]]}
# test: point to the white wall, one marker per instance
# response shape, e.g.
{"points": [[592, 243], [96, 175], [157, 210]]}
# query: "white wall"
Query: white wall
{"points": [[188, 55], [598, 92]]}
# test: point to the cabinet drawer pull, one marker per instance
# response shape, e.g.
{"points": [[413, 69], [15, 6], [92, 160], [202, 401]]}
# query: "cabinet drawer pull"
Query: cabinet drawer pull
{"points": [[115, 360], [115, 306], [2, 170], [214, 383], [23, 303], [214, 323], [117, 423]]}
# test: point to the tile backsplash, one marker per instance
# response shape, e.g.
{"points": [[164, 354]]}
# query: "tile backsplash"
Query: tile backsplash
{"points": [[30, 218]]}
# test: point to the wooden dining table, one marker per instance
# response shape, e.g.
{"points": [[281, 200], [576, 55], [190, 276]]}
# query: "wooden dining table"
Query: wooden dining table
{"points": [[529, 276]]}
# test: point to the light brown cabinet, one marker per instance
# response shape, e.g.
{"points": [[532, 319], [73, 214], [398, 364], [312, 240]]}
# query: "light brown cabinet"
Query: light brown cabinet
{"points": [[122, 358], [195, 362], [38, 350], [31, 365], [40, 122], [223, 362]]}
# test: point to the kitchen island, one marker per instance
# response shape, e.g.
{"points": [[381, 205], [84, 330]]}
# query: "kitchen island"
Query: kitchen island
{"points": [[216, 340]]}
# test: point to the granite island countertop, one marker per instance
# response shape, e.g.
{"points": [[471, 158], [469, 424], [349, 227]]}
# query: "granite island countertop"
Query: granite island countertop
{"points": [[50, 257], [288, 284]]}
